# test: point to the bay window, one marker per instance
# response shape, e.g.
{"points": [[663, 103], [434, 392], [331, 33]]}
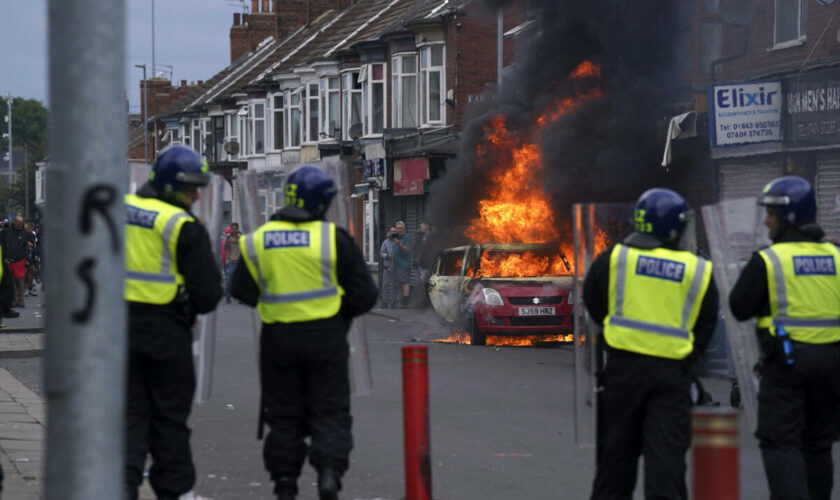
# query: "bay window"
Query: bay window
{"points": [[432, 84], [404, 88], [278, 122], [310, 111], [244, 131], [232, 135], [330, 105], [258, 120], [373, 97], [351, 93], [294, 117]]}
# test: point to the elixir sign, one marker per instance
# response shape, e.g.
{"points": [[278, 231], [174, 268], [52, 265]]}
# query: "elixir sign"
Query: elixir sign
{"points": [[746, 113]]}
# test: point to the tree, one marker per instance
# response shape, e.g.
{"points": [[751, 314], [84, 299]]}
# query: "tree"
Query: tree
{"points": [[29, 133]]}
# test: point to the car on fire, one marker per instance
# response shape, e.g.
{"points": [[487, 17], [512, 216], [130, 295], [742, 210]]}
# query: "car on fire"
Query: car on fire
{"points": [[504, 289]]}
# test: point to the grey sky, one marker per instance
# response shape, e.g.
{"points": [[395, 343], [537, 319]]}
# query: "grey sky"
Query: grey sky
{"points": [[190, 35]]}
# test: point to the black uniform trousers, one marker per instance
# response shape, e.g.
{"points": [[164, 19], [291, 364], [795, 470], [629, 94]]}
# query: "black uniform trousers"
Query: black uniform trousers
{"points": [[161, 386], [305, 392], [644, 409], [799, 420]]}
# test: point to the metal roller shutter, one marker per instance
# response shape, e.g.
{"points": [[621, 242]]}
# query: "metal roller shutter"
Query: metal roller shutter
{"points": [[746, 178], [828, 194]]}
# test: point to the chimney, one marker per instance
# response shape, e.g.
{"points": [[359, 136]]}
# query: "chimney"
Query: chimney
{"points": [[236, 19], [183, 83], [201, 82], [255, 6]]}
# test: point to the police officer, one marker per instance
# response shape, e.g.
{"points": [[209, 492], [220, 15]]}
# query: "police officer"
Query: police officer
{"points": [[171, 276], [308, 279], [658, 307], [792, 287]]}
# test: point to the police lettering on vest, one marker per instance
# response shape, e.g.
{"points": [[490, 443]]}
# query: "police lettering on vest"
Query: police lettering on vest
{"points": [[139, 217], [814, 265], [660, 268], [285, 239]]}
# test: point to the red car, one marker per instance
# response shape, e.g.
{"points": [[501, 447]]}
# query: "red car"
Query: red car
{"points": [[504, 289]]}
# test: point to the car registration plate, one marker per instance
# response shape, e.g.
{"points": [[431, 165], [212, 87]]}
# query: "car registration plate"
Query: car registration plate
{"points": [[536, 311]]}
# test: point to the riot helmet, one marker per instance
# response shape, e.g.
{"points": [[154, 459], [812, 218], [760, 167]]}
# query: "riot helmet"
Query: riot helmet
{"points": [[793, 199], [662, 214], [309, 191], [177, 168]]}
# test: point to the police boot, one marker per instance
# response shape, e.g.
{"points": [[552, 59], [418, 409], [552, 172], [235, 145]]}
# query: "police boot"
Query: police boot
{"points": [[286, 488], [329, 483]]}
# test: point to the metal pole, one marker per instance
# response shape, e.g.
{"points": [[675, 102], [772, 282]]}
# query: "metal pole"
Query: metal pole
{"points": [[9, 118], [153, 40], [500, 29], [145, 114], [85, 354]]}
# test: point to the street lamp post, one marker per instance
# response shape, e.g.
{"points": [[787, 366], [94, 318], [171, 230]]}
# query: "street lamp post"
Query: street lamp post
{"points": [[145, 114], [9, 121]]}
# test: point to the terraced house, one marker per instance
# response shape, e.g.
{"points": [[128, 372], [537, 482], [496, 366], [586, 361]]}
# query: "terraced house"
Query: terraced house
{"points": [[380, 86]]}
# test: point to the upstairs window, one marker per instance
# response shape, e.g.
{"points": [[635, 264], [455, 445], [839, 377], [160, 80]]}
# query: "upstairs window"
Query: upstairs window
{"points": [[245, 131], [196, 136], [404, 89], [232, 136], [310, 110], [330, 106], [372, 78], [351, 93], [432, 81], [790, 23], [258, 114], [279, 122], [293, 115]]}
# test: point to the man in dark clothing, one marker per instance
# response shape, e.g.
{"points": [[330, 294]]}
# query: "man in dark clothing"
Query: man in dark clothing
{"points": [[308, 280], [164, 294], [799, 334], [15, 241], [660, 316]]}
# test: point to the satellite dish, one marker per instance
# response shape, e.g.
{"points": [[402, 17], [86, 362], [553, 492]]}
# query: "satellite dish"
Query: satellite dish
{"points": [[738, 12], [232, 147]]}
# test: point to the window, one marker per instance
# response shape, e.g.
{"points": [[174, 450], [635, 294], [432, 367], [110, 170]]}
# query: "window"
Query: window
{"points": [[330, 110], [351, 93], [185, 133], [311, 113], [432, 85], [373, 97], [404, 114], [174, 136], [196, 136], [258, 113], [218, 138], [278, 111], [790, 22], [232, 135], [245, 131], [294, 117]]}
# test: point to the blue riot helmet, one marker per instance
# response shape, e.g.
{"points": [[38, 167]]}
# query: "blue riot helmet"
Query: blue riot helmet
{"points": [[793, 199], [177, 168], [309, 191], [662, 214]]}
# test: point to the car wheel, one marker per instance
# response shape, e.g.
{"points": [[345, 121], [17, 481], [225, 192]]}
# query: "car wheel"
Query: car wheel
{"points": [[476, 337]]}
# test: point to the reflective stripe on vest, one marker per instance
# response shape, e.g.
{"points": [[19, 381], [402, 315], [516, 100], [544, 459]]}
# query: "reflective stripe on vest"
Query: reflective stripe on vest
{"points": [[311, 300], [152, 277], [644, 302], [804, 291]]}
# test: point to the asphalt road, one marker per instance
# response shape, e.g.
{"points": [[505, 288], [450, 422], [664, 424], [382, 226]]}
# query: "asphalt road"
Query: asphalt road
{"points": [[501, 420]]}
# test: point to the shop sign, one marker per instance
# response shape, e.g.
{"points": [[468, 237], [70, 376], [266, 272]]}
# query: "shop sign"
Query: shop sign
{"points": [[813, 109], [408, 187], [409, 175], [746, 113]]}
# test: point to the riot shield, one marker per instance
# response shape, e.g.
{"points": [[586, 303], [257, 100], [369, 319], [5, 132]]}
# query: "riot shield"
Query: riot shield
{"points": [[208, 209], [260, 194], [596, 228], [735, 230]]}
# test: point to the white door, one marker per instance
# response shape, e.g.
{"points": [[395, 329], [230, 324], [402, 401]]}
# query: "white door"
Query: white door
{"points": [[445, 283]]}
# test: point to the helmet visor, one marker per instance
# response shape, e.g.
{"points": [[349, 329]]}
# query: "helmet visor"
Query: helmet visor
{"points": [[193, 178], [770, 199]]}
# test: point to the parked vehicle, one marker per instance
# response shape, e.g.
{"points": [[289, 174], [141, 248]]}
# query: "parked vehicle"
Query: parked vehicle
{"points": [[503, 289]]}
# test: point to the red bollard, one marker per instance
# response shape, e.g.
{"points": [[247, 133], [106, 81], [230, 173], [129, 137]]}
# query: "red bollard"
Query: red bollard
{"points": [[715, 453], [418, 460]]}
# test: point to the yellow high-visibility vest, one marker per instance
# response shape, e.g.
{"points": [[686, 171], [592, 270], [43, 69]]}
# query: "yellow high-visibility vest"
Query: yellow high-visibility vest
{"points": [[654, 299], [151, 241], [804, 291], [294, 265]]}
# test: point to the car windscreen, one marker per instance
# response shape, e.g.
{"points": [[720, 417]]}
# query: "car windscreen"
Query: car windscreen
{"points": [[522, 264], [451, 263]]}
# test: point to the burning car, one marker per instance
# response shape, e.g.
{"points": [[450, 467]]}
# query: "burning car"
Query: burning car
{"points": [[504, 289]]}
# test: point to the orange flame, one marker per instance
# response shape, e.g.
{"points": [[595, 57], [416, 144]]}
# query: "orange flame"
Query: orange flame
{"points": [[461, 337], [520, 265], [516, 208]]}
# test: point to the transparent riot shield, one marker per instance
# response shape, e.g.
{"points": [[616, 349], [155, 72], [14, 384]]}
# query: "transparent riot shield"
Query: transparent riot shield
{"points": [[735, 230], [260, 194], [596, 227], [208, 209]]}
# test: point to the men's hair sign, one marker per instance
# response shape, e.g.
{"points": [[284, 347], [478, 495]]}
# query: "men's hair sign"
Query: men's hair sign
{"points": [[745, 113], [285, 239], [139, 217], [660, 268]]}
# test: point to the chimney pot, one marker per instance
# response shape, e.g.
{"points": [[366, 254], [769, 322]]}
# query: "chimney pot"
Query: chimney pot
{"points": [[255, 6], [183, 83], [236, 19], [201, 82]]}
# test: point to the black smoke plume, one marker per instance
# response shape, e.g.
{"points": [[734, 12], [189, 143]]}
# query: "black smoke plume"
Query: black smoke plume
{"points": [[605, 150]]}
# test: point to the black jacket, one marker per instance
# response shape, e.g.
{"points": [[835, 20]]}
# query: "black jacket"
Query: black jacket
{"points": [[596, 298], [14, 242], [202, 280], [360, 292]]}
